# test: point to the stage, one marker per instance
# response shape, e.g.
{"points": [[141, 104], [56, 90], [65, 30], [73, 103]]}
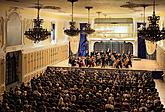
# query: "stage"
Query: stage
{"points": [[137, 64]]}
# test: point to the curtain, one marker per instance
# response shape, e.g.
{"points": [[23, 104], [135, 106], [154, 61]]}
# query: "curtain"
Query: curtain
{"points": [[74, 44], [83, 44], [141, 43]]}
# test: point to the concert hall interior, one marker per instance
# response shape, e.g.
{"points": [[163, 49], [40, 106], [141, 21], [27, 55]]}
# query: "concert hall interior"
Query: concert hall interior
{"points": [[82, 56]]}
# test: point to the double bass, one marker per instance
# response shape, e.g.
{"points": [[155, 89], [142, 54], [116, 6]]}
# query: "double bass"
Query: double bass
{"points": [[125, 63], [116, 63]]}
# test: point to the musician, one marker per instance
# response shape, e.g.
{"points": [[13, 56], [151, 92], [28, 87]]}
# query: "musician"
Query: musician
{"points": [[108, 51], [103, 60], [111, 60], [92, 53], [128, 60], [92, 62], [86, 53], [106, 59], [87, 61], [79, 62], [115, 54], [123, 56], [73, 61], [130, 57], [70, 60], [118, 62], [98, 60], [96, 53], [102, 52]]}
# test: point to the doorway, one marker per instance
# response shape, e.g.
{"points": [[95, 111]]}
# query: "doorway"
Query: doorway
{"points": [[13, 67]]}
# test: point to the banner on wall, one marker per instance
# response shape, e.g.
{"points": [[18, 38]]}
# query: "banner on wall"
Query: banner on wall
{"points": [[53, 36], [141, 42], [151, 47], [83, 44]]}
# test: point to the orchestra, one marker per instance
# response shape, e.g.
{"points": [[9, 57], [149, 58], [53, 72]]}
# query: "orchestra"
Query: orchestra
{"points": [[103, 59]]}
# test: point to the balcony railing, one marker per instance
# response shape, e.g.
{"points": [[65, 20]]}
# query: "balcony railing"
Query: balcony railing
{"points": [[113, 35]]}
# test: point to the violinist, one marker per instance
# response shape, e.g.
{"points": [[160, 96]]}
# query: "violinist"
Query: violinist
{"points": [[108, 51], [111, 60]]}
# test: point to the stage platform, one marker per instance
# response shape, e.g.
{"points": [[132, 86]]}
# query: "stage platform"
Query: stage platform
{"points": [[137, 64]]}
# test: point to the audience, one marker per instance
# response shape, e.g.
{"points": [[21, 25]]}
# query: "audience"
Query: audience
{"points": [[76, 90]]}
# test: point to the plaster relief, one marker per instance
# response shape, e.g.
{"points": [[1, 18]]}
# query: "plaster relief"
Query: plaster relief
{"points": [[27, 23], [14, 30], [1, 31]]}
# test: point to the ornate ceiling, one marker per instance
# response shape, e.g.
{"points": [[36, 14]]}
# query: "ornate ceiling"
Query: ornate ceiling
{"points": [[110, 7]]}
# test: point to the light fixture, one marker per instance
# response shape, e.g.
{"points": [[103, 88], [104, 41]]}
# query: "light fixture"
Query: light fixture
{"points": [[87, 29], [144, 22], [72, 30], [37, 33], [152, 32]]}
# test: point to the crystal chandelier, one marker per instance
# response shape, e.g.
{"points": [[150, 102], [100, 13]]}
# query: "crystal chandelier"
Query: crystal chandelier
{"points": [[72, 30], [37, 33], [152, 32], [87, 29]]}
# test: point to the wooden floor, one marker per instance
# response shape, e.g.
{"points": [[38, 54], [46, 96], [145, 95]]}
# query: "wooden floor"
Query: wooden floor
{"points": [[138, 64]]}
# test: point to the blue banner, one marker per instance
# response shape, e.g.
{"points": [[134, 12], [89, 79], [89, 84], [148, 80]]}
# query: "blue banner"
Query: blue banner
{"points": [[141, 43], [83, 46]]}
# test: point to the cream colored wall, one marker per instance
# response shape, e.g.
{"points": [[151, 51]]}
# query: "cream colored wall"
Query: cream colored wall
{"points": [[36, 61], [34, 58], [161, 45], [161, 57]]}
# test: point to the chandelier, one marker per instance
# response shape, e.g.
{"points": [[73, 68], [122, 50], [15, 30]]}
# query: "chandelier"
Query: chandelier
{"points": [[87, 29], [37, 33], [72, 30], [152, 32]]}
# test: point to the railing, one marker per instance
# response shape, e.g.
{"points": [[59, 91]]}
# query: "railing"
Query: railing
{"points": [[113, 35], [112, 70]]}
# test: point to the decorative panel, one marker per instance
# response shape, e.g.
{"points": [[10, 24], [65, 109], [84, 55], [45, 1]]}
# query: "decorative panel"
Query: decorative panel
{"points": [[2, 88], [1, 31], [37, 61], [27, 23], [160, 57], [14, 30], [25, 63]]}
